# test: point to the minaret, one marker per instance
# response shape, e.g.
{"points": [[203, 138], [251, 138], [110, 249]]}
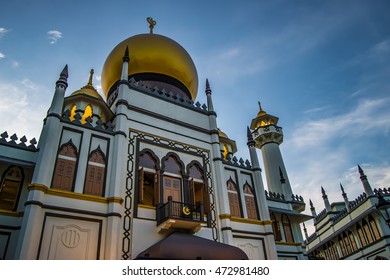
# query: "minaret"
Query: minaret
{"points": [[27, 247], [258, 181], [345, 198], [268, 136], [312, 209], [366, 184], [118, 165], [222, 197], [326, 201], [261, 198]]}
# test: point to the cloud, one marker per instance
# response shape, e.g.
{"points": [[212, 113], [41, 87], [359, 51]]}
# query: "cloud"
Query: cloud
{"points": [[22, 108], [369, 115], [3, 31], [54, 36], [2, 55]]}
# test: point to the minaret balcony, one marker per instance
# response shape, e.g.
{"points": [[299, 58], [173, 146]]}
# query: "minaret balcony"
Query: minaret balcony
{"points": [[267, 134], [175, 215]]}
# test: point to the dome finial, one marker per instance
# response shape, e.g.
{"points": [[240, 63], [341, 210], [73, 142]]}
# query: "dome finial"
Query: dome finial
{"points": [[90, 77], [152, 23], [261, 109]]}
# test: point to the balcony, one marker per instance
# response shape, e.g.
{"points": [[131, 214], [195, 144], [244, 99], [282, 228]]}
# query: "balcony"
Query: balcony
{"points": [[179, 215]]}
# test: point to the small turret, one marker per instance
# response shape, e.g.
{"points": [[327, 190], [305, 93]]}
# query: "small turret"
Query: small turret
{"points": [[345, 198], [58, 98], [312, 209], [366, 184], [326, 201]]}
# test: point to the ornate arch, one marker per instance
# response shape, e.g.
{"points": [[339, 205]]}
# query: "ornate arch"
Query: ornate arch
{"points": [[11, 187], [152, 155], [177, 159]]}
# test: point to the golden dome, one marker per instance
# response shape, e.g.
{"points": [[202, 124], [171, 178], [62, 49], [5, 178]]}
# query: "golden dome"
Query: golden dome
{"points": [[152, 54], [88, 89]]}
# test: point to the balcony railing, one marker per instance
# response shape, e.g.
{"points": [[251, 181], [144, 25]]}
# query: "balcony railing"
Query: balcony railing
{"points": [[181, 211]]}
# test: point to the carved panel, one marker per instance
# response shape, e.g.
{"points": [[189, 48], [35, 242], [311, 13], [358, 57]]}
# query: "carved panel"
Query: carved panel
{"points": [[69, 239]]}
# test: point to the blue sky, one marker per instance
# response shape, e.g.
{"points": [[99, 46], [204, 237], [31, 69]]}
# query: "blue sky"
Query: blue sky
{"points": [[322, 67]]}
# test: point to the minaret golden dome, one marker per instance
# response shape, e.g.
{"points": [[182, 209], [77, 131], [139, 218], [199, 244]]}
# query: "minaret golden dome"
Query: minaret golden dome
{"points": [[153, 58]]}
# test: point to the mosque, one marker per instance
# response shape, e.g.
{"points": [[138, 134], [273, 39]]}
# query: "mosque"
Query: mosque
{"points": [[146, 172]]}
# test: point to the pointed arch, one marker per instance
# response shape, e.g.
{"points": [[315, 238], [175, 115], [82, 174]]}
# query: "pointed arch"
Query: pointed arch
{"points": [[96, 173], [234, 199], [361, 235], [171, 163], [250, 202], [148, 159], [374, 227], [65, 167], [148, 178], [352, 240], [367, 231], [198, 188], [10, 187], [276, 227], [288, 235], [173, 171]]}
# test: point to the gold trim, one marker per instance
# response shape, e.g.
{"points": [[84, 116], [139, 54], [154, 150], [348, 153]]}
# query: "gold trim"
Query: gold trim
{"points": [[79, 196], [246, 221], [118, 200], [288, 243], [11, 213], [37, 187], [146, 206]]}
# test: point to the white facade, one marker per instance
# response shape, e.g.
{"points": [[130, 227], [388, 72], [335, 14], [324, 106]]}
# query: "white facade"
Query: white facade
{"points": [[85, 193]]}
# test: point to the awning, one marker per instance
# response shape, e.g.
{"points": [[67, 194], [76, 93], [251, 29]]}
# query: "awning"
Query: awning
{"points": [[184, 246]]}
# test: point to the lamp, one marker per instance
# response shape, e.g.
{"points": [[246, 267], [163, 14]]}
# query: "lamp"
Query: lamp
{"points": [[383, 207]]}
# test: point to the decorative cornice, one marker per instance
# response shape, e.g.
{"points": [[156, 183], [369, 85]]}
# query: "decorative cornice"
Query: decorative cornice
{"points": [[78, 196], [246, 221]]}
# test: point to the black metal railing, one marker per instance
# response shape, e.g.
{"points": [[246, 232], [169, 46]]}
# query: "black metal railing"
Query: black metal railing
{"points": [[179, 210]]}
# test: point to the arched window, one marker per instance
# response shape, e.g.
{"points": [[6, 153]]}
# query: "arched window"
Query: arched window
{"points": [[335, 253], [361, 235], [276, 228], [352, 240], [342, 246], [65, 167], [366, 229], [10, 188], [87, 113], [250, 202], [234, 200], [172, 179], [347, 243], [374, 228], [95, 175], [287, 228], [198, 189], [148, 179]]}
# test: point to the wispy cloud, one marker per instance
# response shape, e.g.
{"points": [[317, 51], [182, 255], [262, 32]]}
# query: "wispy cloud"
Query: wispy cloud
{"points": [[370, 114], [22, 109], [54, 36], [3, 31], [319, 153], [2, 55]]}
